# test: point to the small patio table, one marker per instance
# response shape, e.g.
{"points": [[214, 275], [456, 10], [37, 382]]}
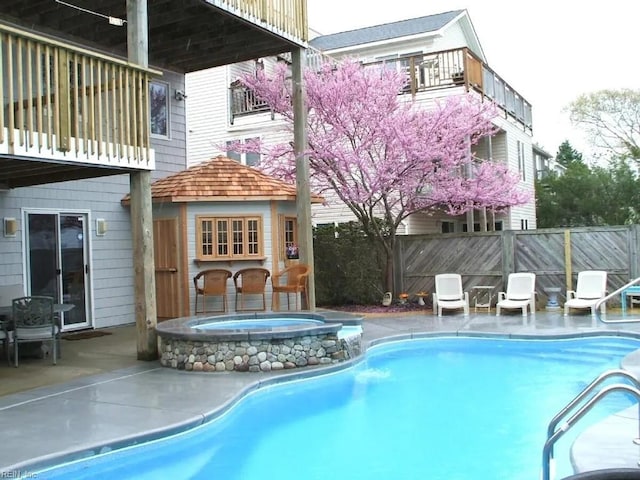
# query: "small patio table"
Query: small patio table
{"points": [[633, 291], [482, 297]]}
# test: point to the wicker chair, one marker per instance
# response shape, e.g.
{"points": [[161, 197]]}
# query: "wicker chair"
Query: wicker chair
{"points": [[295, 281], [33, 321], [211, 283], [251, 281]]}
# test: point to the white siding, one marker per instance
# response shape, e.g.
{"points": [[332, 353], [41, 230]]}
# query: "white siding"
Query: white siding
{"points": [[210, 120], [207, 111]]}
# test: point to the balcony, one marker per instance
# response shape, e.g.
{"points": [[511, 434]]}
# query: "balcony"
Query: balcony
{"points": [[288, 18], [63, 103], [243, 101], [425, 73], [461, 68], [75, 108]]}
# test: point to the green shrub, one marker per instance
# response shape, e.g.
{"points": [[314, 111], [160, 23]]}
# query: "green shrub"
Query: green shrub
{"points": [[348, 266]]}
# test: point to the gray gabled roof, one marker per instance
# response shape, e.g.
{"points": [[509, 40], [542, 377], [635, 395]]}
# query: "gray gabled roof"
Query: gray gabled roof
{"points": [[378, 33]]}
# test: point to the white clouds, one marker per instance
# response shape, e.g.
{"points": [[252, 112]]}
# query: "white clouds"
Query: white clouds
{"points": [[550, 51]]}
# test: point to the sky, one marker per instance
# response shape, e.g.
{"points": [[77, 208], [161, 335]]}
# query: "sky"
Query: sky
{"points": [[549, 51]]}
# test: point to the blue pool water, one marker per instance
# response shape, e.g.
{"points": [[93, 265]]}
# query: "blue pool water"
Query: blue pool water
{"points": [[257, 324], [441, 409]]}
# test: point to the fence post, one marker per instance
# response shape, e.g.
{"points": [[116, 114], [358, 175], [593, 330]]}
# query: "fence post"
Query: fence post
{"points": [[568, 262], [634, 248], [398, 265], [508, 255]]}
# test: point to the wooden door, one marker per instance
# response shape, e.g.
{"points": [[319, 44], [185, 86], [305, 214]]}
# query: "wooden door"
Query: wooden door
{"points": [[165, 249]]}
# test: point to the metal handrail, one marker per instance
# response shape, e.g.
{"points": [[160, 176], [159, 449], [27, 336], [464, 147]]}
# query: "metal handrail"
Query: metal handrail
{"points": [[557, 434], [609, 297], [587, 390]]}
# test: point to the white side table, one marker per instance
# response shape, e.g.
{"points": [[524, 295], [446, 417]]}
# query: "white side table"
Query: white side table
{"points": [[482, 297]]}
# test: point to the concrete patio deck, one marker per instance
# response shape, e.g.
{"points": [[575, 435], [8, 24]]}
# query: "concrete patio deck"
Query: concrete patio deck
{"points": [[100, 395]]}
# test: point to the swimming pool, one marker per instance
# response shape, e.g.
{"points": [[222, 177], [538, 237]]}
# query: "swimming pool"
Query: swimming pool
{"points": [[439, 408]]}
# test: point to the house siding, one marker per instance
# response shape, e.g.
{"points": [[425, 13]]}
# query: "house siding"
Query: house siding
{"points": [[216, 129], [207, 111], [209, 117], [110, 257]]}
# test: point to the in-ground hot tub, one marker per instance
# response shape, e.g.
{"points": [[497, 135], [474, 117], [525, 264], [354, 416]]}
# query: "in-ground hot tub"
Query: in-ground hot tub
{"points": [[259, 341]]}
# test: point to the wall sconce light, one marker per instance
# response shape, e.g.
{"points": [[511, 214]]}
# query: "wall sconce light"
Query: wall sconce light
{"points": [[179, 95], [101, 227], [10, 226]]}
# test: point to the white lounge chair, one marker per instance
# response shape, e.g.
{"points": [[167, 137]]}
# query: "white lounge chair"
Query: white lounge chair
{"points": [[591, 287], [449, 294], [521, 293]]}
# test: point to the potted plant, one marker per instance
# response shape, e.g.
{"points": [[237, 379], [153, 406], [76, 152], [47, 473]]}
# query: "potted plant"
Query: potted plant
{"points": [[292, 252]]}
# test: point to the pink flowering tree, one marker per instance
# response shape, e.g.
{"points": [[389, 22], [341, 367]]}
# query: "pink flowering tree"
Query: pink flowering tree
{"points": [[384, 156]]}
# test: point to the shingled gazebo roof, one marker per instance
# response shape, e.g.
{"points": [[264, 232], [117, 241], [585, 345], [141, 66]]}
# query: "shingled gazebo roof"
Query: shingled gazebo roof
{"points": [[222, 179]]}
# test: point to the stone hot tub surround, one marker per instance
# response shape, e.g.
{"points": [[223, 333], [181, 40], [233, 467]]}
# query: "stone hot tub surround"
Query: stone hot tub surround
{"points": [[307, 339]]}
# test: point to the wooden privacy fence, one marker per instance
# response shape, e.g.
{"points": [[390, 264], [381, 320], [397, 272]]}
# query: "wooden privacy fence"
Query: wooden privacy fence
{"points": [[555, 255]]}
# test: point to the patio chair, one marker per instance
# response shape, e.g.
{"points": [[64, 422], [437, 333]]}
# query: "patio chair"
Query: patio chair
{"points": [[250, 281], [295, 281], [590, 288], [449, 294], [521, 293], [34, 321], [211, 283], [5, 336]]}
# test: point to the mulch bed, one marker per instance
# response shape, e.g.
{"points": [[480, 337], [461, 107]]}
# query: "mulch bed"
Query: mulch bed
{"points": [[85, 335], [381, 309]]}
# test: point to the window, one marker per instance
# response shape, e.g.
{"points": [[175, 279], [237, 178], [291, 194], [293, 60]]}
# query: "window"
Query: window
{"points": [[247, 158], [476, 227], [403, 63], [228, 238], [497, 226], [524, 224], [290, 230], [448, 227], [410, 64], [521, 161], [159, 108]]}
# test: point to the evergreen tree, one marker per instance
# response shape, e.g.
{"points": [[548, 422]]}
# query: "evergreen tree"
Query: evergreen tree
{"points": [[584, 196]]}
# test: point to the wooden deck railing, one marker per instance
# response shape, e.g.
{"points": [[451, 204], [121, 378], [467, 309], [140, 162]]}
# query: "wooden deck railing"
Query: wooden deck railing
{"points": [[287, 16], [62, 101], [243, 101], [460, 67], [437, 70]]}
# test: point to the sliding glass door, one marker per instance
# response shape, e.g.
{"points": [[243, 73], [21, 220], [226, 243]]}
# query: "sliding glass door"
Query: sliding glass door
{"points": [[57, 262]]}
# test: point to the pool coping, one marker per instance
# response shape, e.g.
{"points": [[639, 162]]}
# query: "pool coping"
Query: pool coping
{"points": [[185, 328], [63, 455]]}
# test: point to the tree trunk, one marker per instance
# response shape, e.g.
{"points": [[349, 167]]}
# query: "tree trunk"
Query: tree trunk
{"points": [[388, 273], [389, 248]]}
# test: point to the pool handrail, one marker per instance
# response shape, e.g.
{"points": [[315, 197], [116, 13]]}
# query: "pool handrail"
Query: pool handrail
{"points": [[584, 409], [602, 318], [586, 391]]}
